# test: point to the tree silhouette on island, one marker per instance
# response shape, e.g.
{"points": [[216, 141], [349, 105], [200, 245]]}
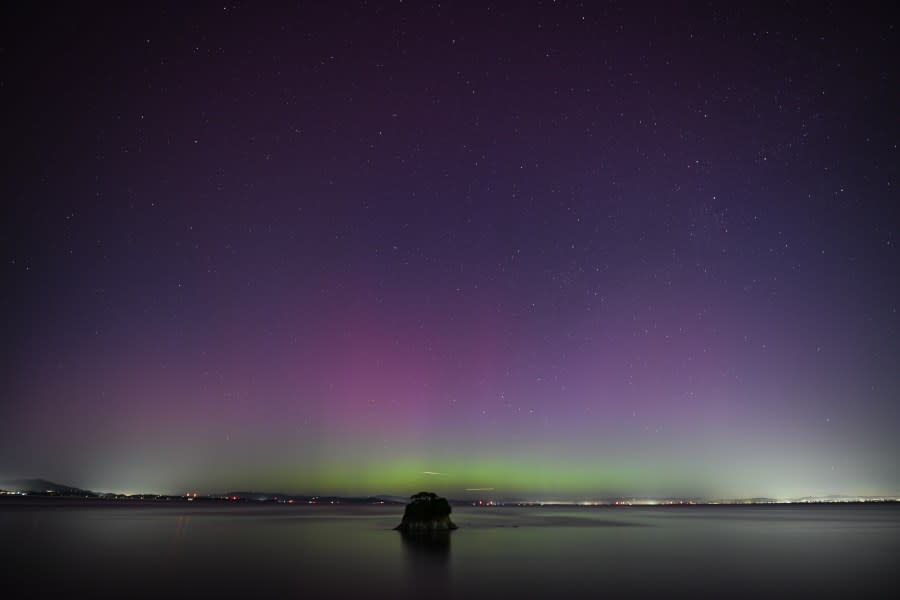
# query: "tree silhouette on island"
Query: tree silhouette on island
{"points": [[426, 513]]}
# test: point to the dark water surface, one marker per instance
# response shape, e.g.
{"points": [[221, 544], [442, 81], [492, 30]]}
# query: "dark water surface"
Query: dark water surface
{"points": [[225, 551]]}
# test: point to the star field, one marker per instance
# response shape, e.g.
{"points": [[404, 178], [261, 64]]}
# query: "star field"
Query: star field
{"points": [[555, 249]]}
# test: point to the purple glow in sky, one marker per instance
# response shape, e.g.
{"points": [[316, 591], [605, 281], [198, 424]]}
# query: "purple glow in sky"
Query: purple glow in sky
{"points": [[558, 250]]}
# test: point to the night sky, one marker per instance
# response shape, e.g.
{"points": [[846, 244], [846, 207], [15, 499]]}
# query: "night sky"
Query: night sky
{"points": [[557, 249]]}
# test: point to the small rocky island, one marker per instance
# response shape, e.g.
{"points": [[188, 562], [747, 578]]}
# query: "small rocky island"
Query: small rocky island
{"points": [[426, 513]]}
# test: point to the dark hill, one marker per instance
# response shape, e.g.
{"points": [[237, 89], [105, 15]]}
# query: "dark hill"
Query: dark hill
{"points": [[42, 486]]}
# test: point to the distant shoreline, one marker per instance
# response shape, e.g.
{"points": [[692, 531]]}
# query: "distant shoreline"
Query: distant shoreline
{"points": [[51, 501]]}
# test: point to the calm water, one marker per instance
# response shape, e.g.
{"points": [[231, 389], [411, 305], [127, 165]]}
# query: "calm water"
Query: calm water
{"points": [[231, 551]]}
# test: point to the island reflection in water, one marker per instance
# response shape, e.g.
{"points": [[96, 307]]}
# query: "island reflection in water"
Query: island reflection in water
{"points": [[427, 558]]}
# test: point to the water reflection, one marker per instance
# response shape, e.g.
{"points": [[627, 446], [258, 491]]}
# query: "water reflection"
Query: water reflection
{"points": [[181, 525], [432, 547], [427, 557], [350, 552]]}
